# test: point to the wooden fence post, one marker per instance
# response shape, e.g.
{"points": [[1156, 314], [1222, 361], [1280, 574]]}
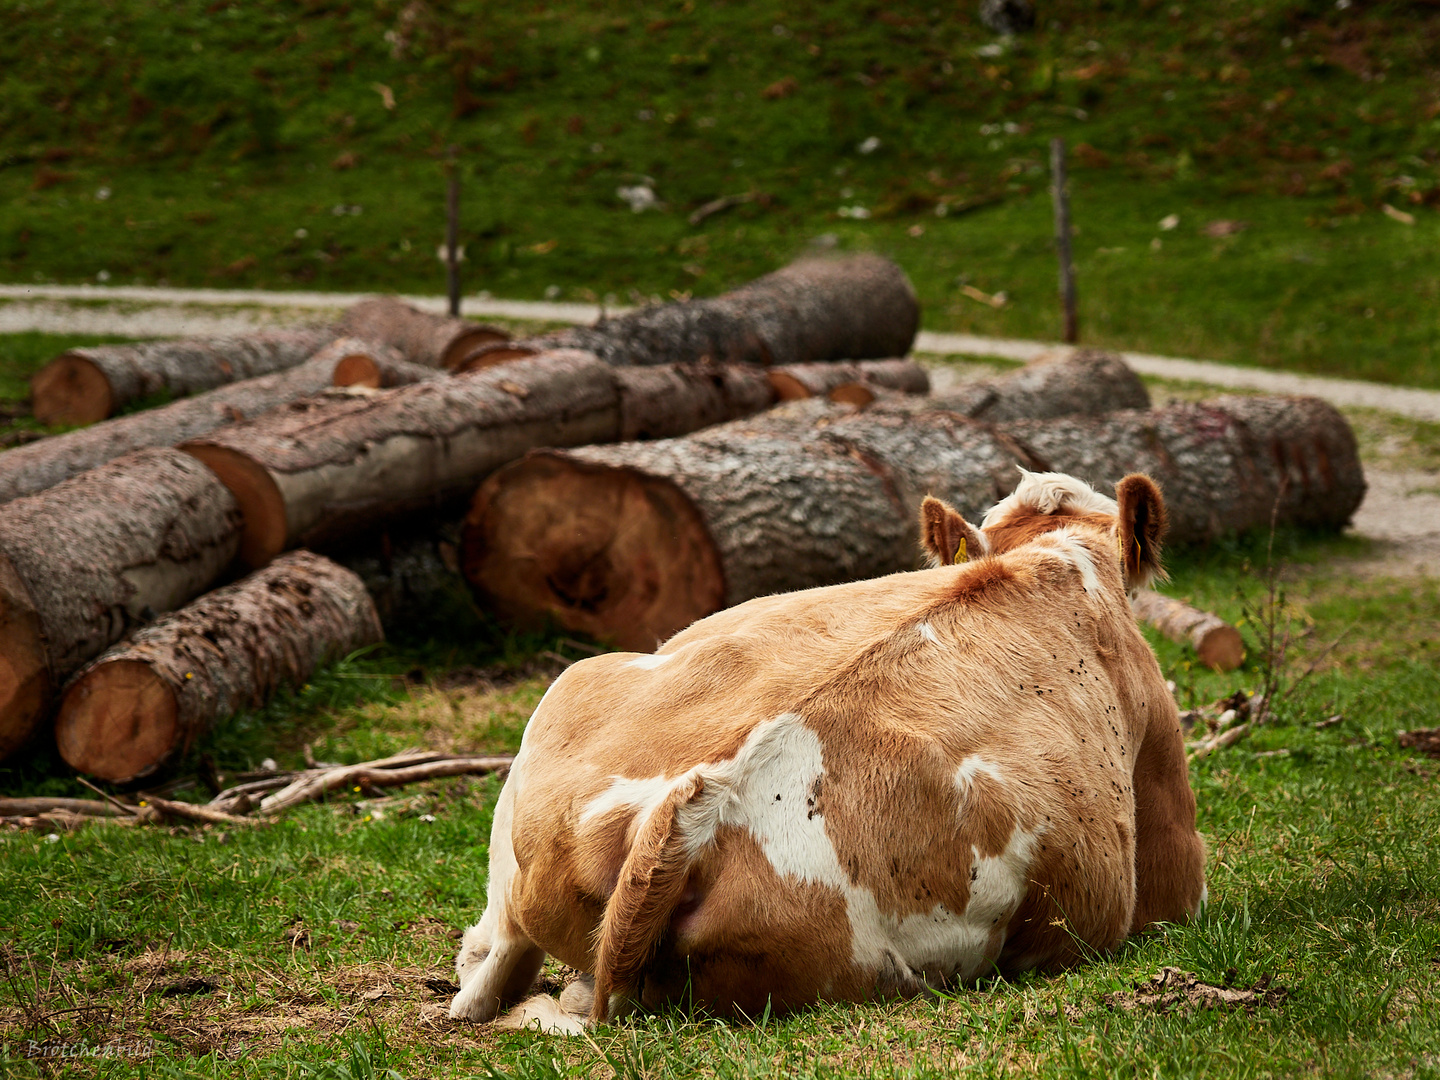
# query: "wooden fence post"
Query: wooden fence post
{"points": [[1062, 239]]}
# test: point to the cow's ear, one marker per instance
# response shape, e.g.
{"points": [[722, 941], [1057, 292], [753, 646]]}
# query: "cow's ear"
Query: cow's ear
{"points": [[650, 884], [946, 537], [1140, 527]]}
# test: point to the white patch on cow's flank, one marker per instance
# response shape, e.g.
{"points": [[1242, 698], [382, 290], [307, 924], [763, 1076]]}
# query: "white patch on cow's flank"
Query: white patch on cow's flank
{"points": [[972, 766], [636, 793], [927, 632], [649, 661], [765, 788]]}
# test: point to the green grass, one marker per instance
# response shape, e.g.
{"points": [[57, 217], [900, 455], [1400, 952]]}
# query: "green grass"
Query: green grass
{"points": [[252, 145], [1323, 872]]}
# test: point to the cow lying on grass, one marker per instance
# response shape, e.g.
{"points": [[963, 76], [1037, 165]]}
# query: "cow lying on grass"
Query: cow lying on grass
{"points": [[858, 791]]}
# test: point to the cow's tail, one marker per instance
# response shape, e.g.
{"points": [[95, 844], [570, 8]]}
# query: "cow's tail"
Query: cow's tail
{"points": [[650, 885]]}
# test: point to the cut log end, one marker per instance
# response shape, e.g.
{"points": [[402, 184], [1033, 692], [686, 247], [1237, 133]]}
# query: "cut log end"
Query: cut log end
{"points": [[25, 684], [70, 390], [468, 343], [261, 503], [614, 553], [855, 394], [118, 722], [787, 387], [358, 369], [1220, 648]]}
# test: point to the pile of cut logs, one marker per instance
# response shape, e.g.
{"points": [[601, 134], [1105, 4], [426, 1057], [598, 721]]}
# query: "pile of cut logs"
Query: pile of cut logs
{"points": [[620, 480]]}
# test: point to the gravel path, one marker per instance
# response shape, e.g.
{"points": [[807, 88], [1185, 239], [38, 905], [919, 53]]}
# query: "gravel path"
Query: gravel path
{"points": [[1401, 511]]}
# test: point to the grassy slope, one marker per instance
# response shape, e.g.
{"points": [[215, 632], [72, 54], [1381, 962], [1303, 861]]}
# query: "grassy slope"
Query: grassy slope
{"points": [[249, 145]]}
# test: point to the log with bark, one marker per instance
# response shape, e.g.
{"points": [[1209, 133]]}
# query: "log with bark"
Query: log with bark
{"points": [[853, 308], [436, 341], [144, 702], [1227, 465], [84, 563], [1086, 383], [36, 466], [322, 470], [1217, 644], [633, 542], [82, 386]]}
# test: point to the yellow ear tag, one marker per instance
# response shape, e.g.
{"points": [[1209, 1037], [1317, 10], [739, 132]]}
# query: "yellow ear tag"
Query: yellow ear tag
{"points": [[960, 555], [1139, 554]]}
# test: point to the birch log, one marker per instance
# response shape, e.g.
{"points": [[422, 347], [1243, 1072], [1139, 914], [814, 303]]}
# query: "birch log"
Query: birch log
{"points": [[1217, 644], [145, 701], [84, 563], [435, 341], [36, 466], [82, 386], [633, 542], [853, 308], [324, 469]]}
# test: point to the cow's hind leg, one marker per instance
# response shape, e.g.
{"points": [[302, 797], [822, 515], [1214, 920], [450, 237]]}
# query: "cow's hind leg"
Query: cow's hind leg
{"points": [[498, 962], [493, 970]]}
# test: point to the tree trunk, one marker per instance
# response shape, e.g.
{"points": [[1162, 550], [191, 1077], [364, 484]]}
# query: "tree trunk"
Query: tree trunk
{"points": [[1226, 466], [82, 386], [324, 469], [36, 466], [851, 308], [1087, 383], [1217, 644], [633, 542], [436, 341], [796, 381], [85, 562], [145, 701], [382, 372]]}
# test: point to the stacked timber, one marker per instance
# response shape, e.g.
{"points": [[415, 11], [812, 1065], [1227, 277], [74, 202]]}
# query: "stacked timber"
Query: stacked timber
{"points": [[434, 341], [36, 466], [805, 496], [86, 562], [82, 386], [325, 469], [854, 308], [144, 702]]}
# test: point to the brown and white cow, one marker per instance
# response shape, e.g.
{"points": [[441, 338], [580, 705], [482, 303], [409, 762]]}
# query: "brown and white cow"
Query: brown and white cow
{"points": [[858, 791]]}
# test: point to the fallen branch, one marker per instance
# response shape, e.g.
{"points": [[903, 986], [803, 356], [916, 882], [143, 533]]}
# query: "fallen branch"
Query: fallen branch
{"points": [[201, 815], [1220, 741], [124, 808], [315, 784], [720, 205], [995, 300], [34, 807]]}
